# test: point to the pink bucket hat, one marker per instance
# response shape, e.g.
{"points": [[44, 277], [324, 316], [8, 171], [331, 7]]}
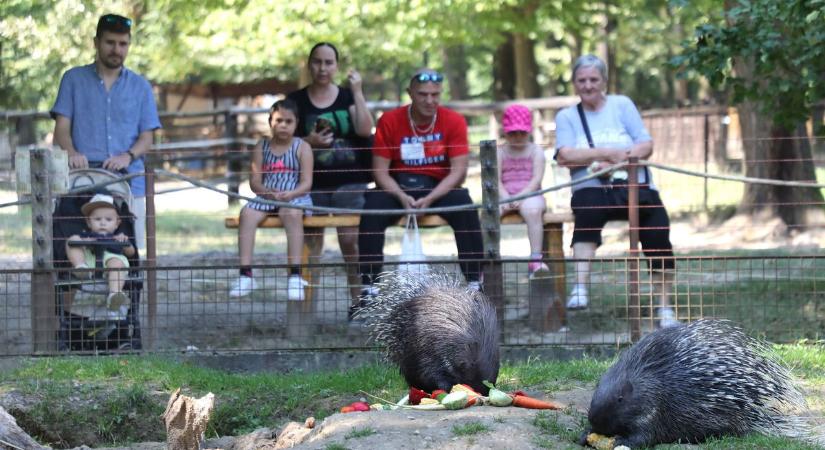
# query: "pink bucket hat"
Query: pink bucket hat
{"points": [[517, 118]]}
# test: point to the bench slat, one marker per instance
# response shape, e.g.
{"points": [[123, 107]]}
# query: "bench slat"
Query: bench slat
{"points": [[352, 220]]}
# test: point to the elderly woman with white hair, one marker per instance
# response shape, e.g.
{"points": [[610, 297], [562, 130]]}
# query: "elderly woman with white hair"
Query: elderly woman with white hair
{"points": [[603, 130]]}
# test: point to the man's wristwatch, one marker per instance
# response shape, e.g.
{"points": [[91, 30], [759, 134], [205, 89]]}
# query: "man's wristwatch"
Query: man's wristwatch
{"points": [[132, 156]]}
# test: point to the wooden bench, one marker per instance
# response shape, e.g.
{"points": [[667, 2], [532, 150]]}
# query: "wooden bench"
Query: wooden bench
{"points": [[553, 225], [546, 297]]}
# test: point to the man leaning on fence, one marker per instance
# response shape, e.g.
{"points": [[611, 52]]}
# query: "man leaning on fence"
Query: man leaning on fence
{"points": [[105, 113], [420, 161]]}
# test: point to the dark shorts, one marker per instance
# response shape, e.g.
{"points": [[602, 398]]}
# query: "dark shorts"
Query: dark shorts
{"points": [[594, 207], [344, 196]]}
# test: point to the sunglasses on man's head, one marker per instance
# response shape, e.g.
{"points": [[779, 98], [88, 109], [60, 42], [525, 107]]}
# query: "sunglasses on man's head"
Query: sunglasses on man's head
{"points": [[120, 20], [428, 77]]}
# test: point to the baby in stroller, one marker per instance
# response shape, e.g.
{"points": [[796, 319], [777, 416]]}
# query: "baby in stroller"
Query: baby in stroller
{"points": [[102, 221], [82, 295]]}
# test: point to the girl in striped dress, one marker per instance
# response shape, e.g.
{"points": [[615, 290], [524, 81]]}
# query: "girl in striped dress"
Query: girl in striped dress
{"points": [[281, 170]]}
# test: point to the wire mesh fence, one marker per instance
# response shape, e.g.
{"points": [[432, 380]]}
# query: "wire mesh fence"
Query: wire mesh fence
{"points": [[179, 297], [777, 297]]}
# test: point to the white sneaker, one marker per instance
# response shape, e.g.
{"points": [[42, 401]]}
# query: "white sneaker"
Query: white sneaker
{"points": [[667, 318], [295, 288], [120, 314], [578, 298], [242, 287]]}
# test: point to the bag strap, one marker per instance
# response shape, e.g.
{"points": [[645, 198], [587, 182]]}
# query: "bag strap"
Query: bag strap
{"points": [[580, 108], [586, 128]]}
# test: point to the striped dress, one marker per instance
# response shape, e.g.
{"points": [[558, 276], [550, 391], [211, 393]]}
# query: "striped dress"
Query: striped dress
{"points": [[281, 173]]}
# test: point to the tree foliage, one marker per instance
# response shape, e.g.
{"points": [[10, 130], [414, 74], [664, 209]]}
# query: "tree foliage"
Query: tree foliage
{"points": [[770, 56], [244, 40], [783, 44]]}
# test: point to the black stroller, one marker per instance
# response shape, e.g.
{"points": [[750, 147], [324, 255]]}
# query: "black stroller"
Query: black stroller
{"points": [[84, 322]]}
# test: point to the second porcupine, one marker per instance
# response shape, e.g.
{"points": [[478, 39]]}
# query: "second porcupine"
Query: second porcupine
{"points": [[439, 331], [692, 382]]}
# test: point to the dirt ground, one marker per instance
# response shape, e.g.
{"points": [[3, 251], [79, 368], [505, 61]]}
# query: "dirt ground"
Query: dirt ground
{"points": [[500, 428], [506, 428]]}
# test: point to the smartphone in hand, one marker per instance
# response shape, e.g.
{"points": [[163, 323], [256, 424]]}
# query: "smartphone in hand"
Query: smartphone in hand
{"points": [[323, 126]]}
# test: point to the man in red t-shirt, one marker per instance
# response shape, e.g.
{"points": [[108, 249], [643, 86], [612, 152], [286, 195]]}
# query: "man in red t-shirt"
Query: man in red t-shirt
{"points": [[419, 161]]}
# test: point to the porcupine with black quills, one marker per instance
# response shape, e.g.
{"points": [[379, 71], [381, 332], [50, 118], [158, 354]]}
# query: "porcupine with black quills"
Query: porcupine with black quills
{"points": [[439, 331], [692, 382]]}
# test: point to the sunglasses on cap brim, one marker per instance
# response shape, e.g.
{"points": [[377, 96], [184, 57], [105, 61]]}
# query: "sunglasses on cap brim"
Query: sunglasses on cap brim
{"points": [[119, 20], [428, 77]]}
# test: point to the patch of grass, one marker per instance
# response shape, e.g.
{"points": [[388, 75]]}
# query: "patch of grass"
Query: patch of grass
{"points": [[336, 446], [246, 401], [359, 433], [548, 423], [551, 375], [750, 442], [16, 231], [94, 412], [806, 360], [106, 401], [763, 291], [470, 429], [120, 408]]}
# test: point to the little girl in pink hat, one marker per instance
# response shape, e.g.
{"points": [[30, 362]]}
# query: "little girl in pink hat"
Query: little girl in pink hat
{"points": [[521, 168]]}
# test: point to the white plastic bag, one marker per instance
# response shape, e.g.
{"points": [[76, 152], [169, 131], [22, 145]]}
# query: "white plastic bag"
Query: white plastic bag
{"points": [[412, 252]]}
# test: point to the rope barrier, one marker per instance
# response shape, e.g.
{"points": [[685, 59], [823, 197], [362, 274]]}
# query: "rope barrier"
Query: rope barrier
{"points": [[446, 209], [387, 212], [767, 181]]}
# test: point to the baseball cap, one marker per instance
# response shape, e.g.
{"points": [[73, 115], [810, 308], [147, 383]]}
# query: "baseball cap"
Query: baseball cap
{"points": [[98, 201], [517, 118]]}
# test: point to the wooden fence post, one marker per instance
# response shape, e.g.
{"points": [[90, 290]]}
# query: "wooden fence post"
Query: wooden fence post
{"points": [[706, 137], [151, 256], [24, 129], [491, 226], [230, 121], [43, 317], [633, 310]]}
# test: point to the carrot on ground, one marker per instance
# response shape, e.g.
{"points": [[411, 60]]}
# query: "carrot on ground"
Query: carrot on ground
{"points": [[523, 401]]}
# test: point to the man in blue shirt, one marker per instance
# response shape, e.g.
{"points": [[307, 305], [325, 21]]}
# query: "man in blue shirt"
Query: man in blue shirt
{"points": [[105, 114]]}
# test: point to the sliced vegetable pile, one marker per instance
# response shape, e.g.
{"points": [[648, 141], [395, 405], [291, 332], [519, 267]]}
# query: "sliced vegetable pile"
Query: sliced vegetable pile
{"points": [[460, 396]]}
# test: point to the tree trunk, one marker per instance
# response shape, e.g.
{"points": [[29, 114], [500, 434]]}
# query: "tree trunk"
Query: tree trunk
{"points": [[12, 436], [527, 85], [456, 68], [504, 76], [772, 152], [818, 120], [556, 85], [604, 49], [614, 80], [676, 90], [776, 152]]}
